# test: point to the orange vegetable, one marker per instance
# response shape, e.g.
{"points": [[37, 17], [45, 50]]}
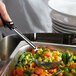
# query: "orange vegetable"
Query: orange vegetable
{"points": [[14, 73], [33, 64], [32, 51], [48, 47], [19, 71], [43, 74], [73, 66], [52, 70], [34, 75], [56, 58], [48, 54], [38, 46], [54, 66], [38, 70], [55, 70], [53, 50], [60, 74]]}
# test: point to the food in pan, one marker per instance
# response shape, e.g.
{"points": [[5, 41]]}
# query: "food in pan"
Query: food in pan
{"points": [[27, 67], [48, 55]]}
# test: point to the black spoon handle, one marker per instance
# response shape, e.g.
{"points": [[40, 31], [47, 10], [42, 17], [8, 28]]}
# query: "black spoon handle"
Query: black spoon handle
{"points": [[10, 25]]}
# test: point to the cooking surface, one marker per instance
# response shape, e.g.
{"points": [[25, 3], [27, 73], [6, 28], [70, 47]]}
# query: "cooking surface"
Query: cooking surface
{"points": [[9, 43]]}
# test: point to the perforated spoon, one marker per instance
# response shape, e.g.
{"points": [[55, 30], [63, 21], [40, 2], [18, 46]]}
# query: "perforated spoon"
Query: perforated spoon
{"points": [[11, 26]]}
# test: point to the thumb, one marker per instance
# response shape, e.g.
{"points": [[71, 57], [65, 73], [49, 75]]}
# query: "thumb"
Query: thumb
{"points": [[4, 13]]}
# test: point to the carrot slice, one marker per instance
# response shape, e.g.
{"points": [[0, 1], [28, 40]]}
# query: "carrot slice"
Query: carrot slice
{"points": [[60, 74], [55, 70], [32, 51], [34, 75], [19, 71], [50, 71], [14, 73], [48, 54], [43, 74], [38, 46], [48, 47], [38, 70], [73, 66], [56, 58], [33, 64]]}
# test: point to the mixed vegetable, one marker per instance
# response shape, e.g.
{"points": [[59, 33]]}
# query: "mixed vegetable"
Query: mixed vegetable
{"points": [[48, 55], [27, 67]]}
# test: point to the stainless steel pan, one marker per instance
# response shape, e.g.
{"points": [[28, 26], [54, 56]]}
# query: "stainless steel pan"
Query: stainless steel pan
{"points": [[24, 47]]}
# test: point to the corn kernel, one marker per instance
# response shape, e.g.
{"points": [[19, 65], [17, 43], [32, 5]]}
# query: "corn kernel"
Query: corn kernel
{"points": [[74, 57], [52, 58], [25, 63], [49, 74], [41, 50], [27, 57], [45, 57], [68, 64], [38, 51], [40, 59], [49, 58], [22, 69], [61, 66], [73, 70], [45, 60], [46, 71]]}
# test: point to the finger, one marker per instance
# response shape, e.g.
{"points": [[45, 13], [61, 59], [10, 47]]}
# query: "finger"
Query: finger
{"points": [[4, 13], [1, 24]]}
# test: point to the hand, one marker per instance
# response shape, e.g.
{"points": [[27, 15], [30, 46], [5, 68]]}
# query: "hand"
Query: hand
{"points": [[3, 13]]}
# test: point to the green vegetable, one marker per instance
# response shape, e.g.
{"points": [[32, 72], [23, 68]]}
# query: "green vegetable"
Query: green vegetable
{"points": [[46, 50], [71, 58], [21, 57], [16, 75], [37, 55], [67, 56], [30, 62], [59, 55], [70, 69], [64, 68], [64, 58], [74, 74], [59, 68], [46, 60], [24, 59], [19, 65], [27, 72], [66, 74], [30, 56], [55, 74], [27, 53], [54, 61]]}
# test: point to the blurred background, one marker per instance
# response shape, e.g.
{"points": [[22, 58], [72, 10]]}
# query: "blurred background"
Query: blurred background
{"points": [[42, 16], [29, 16]]}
